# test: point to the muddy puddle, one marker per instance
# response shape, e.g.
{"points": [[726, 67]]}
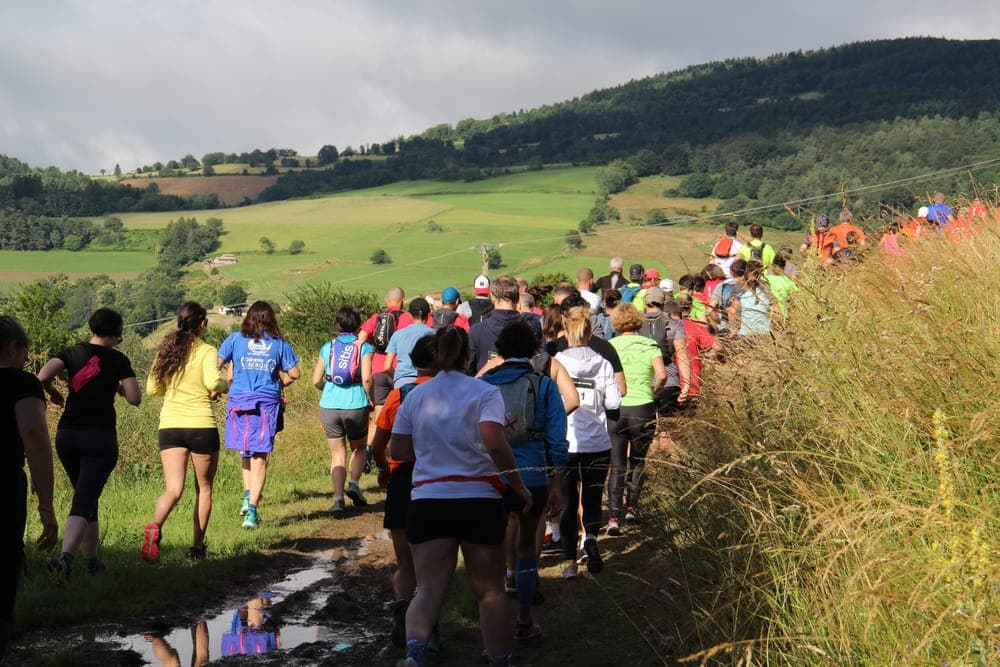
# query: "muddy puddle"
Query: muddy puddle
{"points": [[328, 610]]}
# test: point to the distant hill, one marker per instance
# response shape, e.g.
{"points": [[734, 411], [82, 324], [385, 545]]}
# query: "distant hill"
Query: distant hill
{"points": [[231, 190]]}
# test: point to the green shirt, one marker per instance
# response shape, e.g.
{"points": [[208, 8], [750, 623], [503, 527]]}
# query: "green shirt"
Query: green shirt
{"points": [[767, 257], [637, 354], [781, 287]]}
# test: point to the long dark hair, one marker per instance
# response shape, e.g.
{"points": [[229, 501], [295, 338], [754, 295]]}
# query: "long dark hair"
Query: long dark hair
{"points": [[175, 348], [259, 320], [11, 332], [452, 349]]}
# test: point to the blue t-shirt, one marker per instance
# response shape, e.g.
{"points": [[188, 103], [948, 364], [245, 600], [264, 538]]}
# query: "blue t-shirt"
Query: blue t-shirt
{"points": [[939, 212], [755, 312], [401, 344], [256, 362], [340, 396]]}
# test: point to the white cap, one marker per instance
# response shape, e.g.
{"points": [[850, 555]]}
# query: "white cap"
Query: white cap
{"points": [[922, 212], [667, 285], [481, 286]]}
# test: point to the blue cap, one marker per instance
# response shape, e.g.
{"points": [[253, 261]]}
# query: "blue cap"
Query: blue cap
{"points": [[449, 295]]}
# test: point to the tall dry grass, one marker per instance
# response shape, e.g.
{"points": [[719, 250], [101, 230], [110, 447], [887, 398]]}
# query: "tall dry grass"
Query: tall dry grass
{"points": [[837, 500]]}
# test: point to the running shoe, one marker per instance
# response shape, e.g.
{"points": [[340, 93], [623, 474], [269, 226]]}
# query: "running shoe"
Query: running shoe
{"points": [[151, 543], [251, 520], [527, 631], [629, 514], [594, 561], [197, 553], [614, 528], [354, 493], [510, 584], [58, 571], [569, 569], [338, 508], [245, 507], [552, 547], [398, 634]]}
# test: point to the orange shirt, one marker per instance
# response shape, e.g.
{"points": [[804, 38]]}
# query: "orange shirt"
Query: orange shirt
{"points": [[387, 417], [824, 240], [841, 231]]}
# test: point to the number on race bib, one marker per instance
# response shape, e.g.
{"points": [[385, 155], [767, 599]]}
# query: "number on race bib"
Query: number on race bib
{"points": [[587, 390]]}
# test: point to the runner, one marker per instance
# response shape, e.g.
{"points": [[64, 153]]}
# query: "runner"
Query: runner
{"points": [[86, 437], [186, 373], [343, 372], [585, 286], [844, 227], [455, 501], [700, 342], [754, 308], [667, 331], [727, 249], [977, 209], [889, 242], [939, 212], [540, 449], [480, 307], [26, 438], [261, 364], [599, 345], [791, 269], [713, 276], [614, 279], [378, 331], [756, 248], [397, 476], [397, 356], [448, 312], [780, 284], [636, 272], [645, 374], [589, 442], [483, 335], [650, 278], [691, 285], [820, 242]]}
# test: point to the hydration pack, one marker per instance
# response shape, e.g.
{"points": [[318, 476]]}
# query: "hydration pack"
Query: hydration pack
{"points": [[385, 325]]}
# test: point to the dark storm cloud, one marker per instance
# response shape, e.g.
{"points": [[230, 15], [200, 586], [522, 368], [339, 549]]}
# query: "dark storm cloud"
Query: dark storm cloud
{"points": [[88, 84]]}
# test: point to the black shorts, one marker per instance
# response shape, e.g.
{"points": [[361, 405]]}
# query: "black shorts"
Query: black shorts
{"points": [[383, 385], [539, 499], [397, 497], [197, 440], [475, 520]]}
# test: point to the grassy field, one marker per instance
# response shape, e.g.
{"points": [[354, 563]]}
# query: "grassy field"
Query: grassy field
{"points": [[527, 214], [27, 265]]}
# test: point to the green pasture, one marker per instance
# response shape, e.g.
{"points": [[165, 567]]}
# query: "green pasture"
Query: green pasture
{"points": [[18, 265]]}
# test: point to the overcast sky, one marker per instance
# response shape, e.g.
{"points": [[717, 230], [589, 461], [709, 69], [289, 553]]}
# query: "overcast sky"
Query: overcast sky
{"points": [[86, 84]]}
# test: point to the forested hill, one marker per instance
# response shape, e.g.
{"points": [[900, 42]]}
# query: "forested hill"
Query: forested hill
{"points": [[855, 83]]}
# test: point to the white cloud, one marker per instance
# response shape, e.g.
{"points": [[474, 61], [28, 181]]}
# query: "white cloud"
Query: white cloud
{"points": [[87, 84]]}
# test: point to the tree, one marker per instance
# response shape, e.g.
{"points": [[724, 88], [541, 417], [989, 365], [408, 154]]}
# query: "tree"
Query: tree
{"points": [[493, 258], [296, 247], [233, 294], [267, 245], [118, 169], [574, 239], [72, 242], [697, 185], [656, 216], [327, 155], [380, 256], [208, 170]]}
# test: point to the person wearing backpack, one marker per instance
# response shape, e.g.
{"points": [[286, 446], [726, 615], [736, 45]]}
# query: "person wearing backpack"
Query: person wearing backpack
{"points": [[722, 297], [262, 363], [727, 249], [86, 437], [666, 329], [536, 430], [756, 249], [343, 373], [480, 307], [636, 274], [645, 374], [483, 335], [448, 312], [378, 330], [397, 357]]}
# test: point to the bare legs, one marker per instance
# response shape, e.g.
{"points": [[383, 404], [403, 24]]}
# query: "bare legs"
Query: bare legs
{"points": [[174, 462]]}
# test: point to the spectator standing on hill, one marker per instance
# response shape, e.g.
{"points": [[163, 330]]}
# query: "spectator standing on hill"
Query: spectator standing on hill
{"points": [[821, 242], [186, 373], [756, 248], [940, 212], [843, 228], [645, 374], [665, 328], [448, 312], [86, 437], [456, 498], [481, 306], [397, 357], [343, 372], [727, 248], [585, 285], [263, 364], [483, 335], [26, 438], [378, 331], [614, 279]]}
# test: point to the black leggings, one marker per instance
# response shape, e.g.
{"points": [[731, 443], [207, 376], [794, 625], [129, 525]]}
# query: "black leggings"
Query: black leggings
{"points": [[630, 440], [88, 456], [588, 471]]}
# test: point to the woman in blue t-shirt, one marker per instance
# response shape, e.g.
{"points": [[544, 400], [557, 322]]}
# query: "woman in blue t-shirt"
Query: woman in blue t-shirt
{"points": [[262, 364], [343, 373]]}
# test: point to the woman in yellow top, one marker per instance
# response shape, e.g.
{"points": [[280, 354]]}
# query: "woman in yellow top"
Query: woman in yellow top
{"points": [[186, 373]]}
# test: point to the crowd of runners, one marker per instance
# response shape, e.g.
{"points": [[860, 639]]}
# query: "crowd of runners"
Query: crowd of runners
{"points": [[508, 426]]}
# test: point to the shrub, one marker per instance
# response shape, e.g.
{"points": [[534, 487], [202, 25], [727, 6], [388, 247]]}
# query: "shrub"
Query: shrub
{"points": [[296, 247], [574, 240], [697, 185], [308, 319], [656, 216], [380, 256]]}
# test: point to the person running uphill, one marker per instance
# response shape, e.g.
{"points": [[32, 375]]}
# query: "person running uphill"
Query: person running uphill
{"points": [[186, 373], [452, 427], [259, 355]]}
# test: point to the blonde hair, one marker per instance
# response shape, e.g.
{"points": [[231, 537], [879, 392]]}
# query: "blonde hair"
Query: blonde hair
{"points": [[626, 318], [578, 326]]}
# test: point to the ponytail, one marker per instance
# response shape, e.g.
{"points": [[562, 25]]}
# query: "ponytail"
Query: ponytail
{"points": [[175, 348], [578, 326]]}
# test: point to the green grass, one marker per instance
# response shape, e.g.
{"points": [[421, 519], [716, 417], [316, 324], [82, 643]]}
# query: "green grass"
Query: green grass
{"points": [[33, 264]]}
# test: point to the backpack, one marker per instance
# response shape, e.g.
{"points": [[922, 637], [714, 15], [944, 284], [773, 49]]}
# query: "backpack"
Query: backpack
{"points": [[385, 326], [519, 406], [345, 362], [757, 251], [480, 309], [444, 317], [87, 372], [659, 330], [726, 293], [628, 292], [723, 248], [406, 389]]}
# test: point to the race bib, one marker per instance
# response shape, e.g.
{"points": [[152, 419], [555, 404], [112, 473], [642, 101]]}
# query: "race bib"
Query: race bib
{"points": [[587, 390]]}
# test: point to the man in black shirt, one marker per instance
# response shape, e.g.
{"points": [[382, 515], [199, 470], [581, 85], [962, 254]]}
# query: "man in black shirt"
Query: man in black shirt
{"points": [[614, 279]]}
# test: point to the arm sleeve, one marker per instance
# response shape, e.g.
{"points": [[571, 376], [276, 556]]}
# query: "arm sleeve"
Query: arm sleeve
{"points": [[491, 407], [612, 397], [369, 325], [289, 360], [392, 347], [387, 417], [125, 370], [403, 424], [153, 386], [556, 444], [614, 359], [226, 349], [210, 370]]}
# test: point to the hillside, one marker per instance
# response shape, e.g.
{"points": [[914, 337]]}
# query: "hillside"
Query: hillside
{"points": [[231, 190]]}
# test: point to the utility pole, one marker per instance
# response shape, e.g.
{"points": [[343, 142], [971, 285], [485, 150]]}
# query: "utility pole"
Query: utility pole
{"points": [[486, 259]]}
